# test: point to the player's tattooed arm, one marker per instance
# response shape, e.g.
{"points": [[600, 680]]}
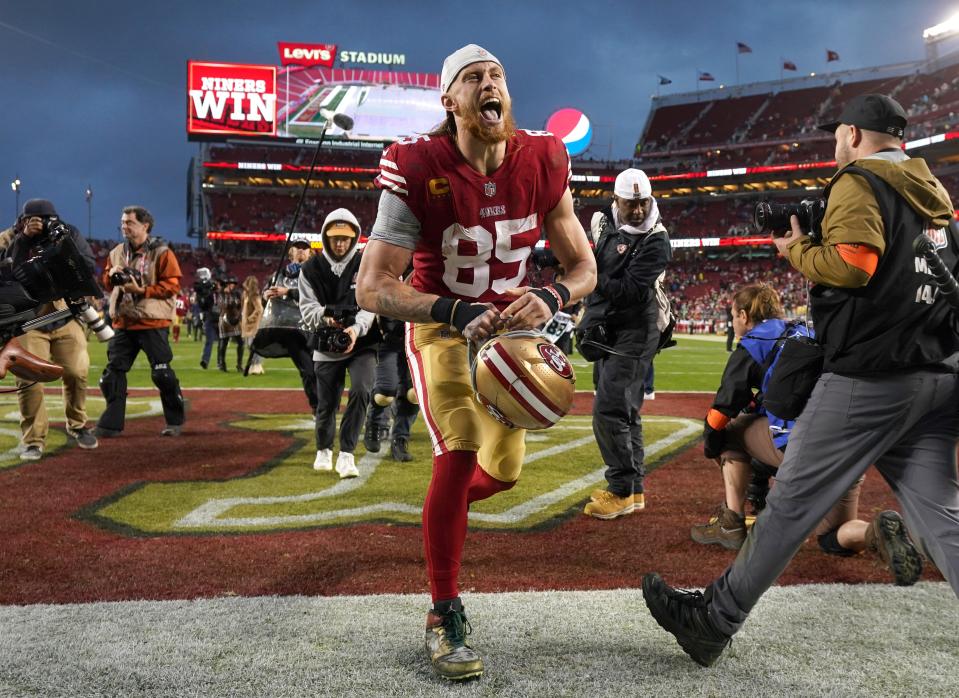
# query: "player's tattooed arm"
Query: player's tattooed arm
{"points": [[569, 243], [379, 289]]}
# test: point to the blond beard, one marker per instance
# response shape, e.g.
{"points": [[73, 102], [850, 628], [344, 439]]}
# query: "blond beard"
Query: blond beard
{"points": [[491, 135]]}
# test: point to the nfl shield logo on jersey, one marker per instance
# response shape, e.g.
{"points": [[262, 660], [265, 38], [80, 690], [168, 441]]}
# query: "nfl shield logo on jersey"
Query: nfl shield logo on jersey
{"points": [[490, 189], [938, 237]]}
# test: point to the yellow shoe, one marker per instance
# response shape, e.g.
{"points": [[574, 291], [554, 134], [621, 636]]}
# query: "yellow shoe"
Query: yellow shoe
{"points": [[638, 499], [446, 646], [608, 506]]}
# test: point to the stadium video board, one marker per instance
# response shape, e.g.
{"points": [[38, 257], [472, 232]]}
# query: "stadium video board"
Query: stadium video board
{"points": [[229, 100]]}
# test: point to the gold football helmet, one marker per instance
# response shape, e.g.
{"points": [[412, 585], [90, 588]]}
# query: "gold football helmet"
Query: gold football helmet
{"points": [[523, 380]]}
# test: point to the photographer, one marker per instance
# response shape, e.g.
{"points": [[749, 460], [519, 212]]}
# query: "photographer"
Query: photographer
{"points": [[229, 302], [392, 391], [343, 339], [143, 278], [64, 342], [285, 289], [632, 250], [205, 289], [889, 388]]}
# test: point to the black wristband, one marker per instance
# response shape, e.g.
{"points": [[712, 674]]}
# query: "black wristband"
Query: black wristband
{"points": [[563, 294], [455, 312]]}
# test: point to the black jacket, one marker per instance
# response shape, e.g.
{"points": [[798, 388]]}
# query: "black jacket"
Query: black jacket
{"points": [[628, 266]]}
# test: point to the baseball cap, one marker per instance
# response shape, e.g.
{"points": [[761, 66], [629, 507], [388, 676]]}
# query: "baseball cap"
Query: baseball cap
{"points": [[632, 184], [39, 207], [456, 61], [305, 244], [872, 112], [341, 222]]}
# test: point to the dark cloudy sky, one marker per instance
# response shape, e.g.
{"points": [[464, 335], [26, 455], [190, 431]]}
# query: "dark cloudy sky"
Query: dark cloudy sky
{"points": [[94, 92]]}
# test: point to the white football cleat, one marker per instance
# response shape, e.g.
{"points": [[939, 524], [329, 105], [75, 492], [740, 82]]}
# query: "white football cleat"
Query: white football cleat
{"points": [[324, 460], [345, 466]]}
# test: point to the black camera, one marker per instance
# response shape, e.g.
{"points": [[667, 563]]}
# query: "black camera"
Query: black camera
{"points": [[118, 277], [57, 270], [332, 340], [773, 219]]}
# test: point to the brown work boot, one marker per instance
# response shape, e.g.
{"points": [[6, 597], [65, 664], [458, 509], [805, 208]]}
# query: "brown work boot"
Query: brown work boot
{"points": [[887, 537], [639, 499], [607, 505], [725, 528]]}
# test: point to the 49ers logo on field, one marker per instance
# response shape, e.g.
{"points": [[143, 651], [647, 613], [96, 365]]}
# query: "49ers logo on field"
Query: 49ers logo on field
{"points": [[556, 359]]}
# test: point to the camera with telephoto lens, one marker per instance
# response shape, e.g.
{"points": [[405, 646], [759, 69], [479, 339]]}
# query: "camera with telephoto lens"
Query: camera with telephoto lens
{"points": [[773, 219], [118, 277], [56, 270], [335, 340]]}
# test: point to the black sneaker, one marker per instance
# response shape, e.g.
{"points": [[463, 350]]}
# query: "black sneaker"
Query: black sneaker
{"points": [[104, 433], [371, 437], [84, 437], [400, 450], [686, 616], [171, 430], [446, 646], [887, 536], [204, 365]]}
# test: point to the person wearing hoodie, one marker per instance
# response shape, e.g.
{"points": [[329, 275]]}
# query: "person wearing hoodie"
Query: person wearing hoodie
{"points": [[632, 250], [889, 388], [345, 339]]}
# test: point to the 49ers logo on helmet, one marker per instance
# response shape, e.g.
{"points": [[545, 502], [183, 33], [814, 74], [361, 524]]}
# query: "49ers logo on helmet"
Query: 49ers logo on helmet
{"points": [[556, 359], [520, 383]]}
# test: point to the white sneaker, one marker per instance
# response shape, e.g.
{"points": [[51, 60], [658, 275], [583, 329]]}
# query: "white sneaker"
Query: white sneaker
{"points": [[324, 460], [256, 370], [345, 466], [651, 395]]}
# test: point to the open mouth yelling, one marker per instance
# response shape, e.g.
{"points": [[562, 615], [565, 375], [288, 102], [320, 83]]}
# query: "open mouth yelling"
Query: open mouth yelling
{"points": [[492, 111]]}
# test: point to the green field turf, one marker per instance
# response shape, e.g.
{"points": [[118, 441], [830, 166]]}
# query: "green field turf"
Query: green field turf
{"points": [[696, 363]]}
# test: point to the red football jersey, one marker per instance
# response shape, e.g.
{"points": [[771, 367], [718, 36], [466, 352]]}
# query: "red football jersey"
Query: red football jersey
{"points": [[477, 231]]}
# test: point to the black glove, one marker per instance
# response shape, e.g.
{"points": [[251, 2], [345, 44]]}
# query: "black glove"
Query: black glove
{"points": [[714, 441]]}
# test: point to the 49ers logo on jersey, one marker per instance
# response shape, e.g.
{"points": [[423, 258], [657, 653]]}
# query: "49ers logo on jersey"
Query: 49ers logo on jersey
{"points": [[556, 359]]}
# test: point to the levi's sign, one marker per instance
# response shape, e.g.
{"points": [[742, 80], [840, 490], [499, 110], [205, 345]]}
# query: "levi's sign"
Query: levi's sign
{"points": [[231, 99], [306, 54]]}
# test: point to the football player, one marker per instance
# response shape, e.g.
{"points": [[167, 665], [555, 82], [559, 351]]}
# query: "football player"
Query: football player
{"points": [[467, 203]]}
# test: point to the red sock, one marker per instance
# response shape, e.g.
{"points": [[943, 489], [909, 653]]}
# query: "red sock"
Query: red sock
{"points": [[444, 521], [484, 485]]}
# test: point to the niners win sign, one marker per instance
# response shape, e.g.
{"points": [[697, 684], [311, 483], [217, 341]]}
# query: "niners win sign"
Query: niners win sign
{"points": [[231, 99]]}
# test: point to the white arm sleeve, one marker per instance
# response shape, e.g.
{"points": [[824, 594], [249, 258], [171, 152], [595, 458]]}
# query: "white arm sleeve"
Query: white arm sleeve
{"points": [[395, 222]]}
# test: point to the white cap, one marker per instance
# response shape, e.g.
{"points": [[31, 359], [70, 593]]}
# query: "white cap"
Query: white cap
{"points": [[204, 274], [456, 61], [632, 184]]}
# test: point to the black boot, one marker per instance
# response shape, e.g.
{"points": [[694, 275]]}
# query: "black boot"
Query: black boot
{"points": [[399, 450]]}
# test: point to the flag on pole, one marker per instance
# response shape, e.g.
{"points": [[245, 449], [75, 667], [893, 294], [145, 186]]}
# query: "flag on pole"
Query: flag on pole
{"points": [[742, 48], [705, 77], [831, 56], [664, 80], [789, 65]]}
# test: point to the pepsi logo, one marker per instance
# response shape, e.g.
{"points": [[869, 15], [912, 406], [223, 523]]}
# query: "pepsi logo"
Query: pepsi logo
{"points": [[573, 128], [556, 359]]}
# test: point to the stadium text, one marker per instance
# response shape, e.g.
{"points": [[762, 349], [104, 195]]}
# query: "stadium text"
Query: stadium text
{"points": [[371, 58]]}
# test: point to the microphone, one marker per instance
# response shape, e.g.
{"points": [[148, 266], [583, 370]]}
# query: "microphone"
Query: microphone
{"points": [[339, 120]]}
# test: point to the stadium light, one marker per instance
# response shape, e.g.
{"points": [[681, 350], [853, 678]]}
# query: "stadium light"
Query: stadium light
{"points": [[15, 186], [943, 30]]}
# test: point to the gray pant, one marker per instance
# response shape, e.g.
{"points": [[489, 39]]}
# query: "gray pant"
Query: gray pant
{"points": [[905, 424], [330, 379], [619, 397], [393, 379]]}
